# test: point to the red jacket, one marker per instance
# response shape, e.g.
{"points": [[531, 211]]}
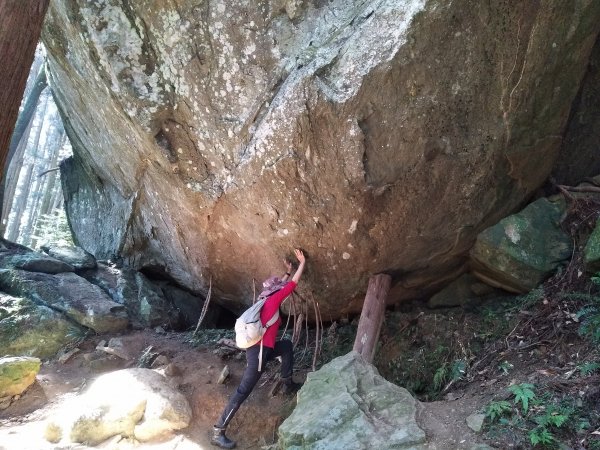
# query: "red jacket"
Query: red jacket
{"points": [[269, 308]]}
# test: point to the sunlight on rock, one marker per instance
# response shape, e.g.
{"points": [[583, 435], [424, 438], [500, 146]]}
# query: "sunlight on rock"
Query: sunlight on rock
{"points": [[136, 403]]}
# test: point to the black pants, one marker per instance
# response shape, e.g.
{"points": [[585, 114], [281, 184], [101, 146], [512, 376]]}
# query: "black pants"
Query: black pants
{"points": [[251, 375]]}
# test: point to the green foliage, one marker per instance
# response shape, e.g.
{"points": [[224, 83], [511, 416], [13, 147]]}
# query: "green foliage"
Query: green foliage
{"points": [[458, 370], [588, 368], [440, 377], [589, 316], [53, 229], [446, 373], [523, 394], [541, 435], [497, 409]]}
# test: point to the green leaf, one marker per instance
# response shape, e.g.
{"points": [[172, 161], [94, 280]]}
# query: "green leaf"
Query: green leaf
{"points": [[523, 393], [497, 409]]}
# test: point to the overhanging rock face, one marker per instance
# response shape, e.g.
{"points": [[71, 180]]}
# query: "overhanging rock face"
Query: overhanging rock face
{"points": [[377, 135]]}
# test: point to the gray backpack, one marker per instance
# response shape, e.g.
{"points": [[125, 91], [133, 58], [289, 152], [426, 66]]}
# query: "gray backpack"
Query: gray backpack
{"points": [[249, 329]]}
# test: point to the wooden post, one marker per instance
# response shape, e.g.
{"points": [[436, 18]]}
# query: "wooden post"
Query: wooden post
{"points": [[371, 317]]}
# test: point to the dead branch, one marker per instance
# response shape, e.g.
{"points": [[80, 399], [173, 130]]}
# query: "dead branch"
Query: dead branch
{"points": [[48, 171], [205, 307], [589, 189]]}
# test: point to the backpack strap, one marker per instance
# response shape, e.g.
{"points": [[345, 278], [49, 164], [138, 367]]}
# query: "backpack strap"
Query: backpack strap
{"points": [[270, 323]]}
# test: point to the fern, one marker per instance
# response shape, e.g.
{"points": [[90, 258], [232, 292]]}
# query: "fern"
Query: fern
{"points": [[589, 368], [540, 435], [523, 393], [459, 367], [439, 378], [497, 409], [590, 322]]}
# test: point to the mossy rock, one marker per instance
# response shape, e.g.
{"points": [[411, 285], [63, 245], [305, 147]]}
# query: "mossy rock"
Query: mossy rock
{"points": [[29, 329], [347, 404], [522, 250], [17, 373]]}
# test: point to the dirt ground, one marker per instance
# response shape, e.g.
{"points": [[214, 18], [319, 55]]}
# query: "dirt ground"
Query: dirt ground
{"points": [[254, 426]]}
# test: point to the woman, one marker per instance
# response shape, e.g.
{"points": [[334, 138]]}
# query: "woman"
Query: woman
{"points": [[276, 290]]}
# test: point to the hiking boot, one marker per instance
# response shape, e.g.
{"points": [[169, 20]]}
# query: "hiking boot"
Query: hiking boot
{"points": [[220, 440], [288, 386]]}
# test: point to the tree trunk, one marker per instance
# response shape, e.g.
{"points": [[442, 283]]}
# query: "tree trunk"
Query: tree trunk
{"points": [[38, 183], [19, 206], [12, 175], [371, 317], [27, 114], [21, 203], [20, 28], [48, 192]]}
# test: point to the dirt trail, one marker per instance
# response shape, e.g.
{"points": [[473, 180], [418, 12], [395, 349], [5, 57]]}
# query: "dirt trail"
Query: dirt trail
{"points": [[254, 426]]}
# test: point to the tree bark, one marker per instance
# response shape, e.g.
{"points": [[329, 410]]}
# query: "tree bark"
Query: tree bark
{"points": [[21, 202], [20, 28], [11, 178], [372, 315], [27, 114]]}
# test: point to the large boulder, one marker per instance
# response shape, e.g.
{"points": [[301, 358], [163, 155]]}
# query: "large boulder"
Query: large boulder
{"points": [[579, 152], [347, 405], [144, 301], [138, 403], [17, 373], [519, 252], [30, 329], [77, 298], [210, 138], [15, 256], [76, 257]]}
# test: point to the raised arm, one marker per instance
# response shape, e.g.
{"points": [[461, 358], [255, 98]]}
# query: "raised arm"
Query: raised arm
{"points": [[300, 269]]}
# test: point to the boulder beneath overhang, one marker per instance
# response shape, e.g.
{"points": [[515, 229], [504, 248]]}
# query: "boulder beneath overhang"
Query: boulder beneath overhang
{"points": [[524, 249]]}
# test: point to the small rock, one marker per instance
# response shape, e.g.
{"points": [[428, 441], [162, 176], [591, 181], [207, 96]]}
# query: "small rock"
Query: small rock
{"points": [[172, 370], [160, 361], [475, 422], [451, 396]]}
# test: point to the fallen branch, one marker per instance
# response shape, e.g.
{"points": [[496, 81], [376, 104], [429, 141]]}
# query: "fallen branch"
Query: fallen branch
{"points": [[205, 307], [589, 189]]}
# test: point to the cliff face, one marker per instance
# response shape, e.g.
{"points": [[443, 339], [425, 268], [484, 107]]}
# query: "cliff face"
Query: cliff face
{"points": [[210, 137]]}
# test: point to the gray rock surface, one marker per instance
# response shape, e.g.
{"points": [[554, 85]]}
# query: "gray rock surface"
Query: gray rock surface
{"points": [[144, 301], [475, 422], [31, 329], [520, 251], [76, 257], [578, 156], [70, 294], [15, 256], [212, 137], [347, 405]]}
